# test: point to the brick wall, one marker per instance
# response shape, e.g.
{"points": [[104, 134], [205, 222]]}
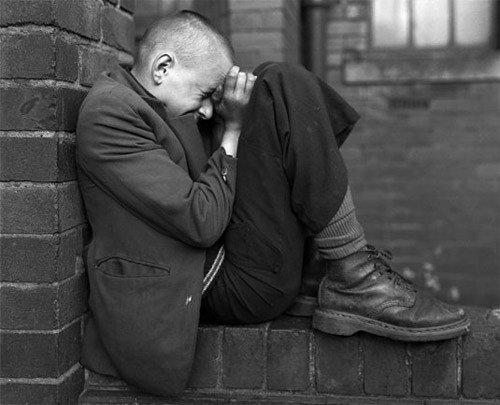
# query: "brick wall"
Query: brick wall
{"points": [[423, 161], [51, 53], [265, 30]]}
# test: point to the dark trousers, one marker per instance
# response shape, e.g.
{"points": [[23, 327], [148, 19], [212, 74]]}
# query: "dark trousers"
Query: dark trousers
{"points": [[291, 181]]}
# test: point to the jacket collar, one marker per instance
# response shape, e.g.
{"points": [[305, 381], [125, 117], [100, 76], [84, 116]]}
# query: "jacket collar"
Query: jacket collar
{"points": [[184, 127]]}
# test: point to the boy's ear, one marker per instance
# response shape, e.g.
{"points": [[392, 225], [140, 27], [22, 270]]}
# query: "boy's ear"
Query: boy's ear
{"points": [[161, 66]]}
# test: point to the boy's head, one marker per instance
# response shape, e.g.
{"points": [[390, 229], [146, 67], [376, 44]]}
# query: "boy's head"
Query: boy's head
{"points": [[183, 60]]}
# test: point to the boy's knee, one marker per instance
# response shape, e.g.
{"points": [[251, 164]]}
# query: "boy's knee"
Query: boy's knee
{"points": [[283, 69]]}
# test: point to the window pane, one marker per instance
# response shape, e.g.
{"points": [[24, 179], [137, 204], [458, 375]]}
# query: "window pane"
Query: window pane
{"points": [[473, 21], [432, 22], [390, 23]]}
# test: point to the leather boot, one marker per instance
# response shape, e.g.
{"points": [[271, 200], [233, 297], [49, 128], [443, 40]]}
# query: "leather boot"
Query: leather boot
{"points": [[363, 293], [314, 269]]}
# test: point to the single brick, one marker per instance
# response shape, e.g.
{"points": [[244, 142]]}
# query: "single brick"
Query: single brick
{"points": [[117, 29], [386, 370], [38, 355], [68, 106], [27, 108], [26, 393], [73, 297], [36, 392], [37, 158], [337, 364], [481, 354], [28, 209], [66, 60], [27, 56], [434, 369], [39, 259], [39, 108], [70, 206], [245, 22], [242, 5], [33, 307], [258, 40], [28, 158], [79, 16], [94, 61], [207, 358], [43, 307], [288, 360], [13, 12], [243, 357], [66, 158], [29, 258]]}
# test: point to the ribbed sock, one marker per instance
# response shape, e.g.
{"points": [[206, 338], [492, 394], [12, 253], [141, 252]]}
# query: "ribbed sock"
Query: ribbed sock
{"points": [[343, 235]]}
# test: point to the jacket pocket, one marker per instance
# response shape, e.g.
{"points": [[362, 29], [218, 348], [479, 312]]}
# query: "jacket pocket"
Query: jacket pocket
{"points": [[147, 320], [123, 267], [247, 247]]}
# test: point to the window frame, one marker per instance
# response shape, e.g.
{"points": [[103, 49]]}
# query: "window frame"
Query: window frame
{"points": [[410, 47]]}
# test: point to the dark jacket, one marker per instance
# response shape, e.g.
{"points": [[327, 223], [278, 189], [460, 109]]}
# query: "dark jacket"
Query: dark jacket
{"points": [[154, 202]]}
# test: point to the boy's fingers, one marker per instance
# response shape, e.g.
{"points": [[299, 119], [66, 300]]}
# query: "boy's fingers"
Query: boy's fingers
{"points": [[250, 82], [230, 82], [241, 81]]}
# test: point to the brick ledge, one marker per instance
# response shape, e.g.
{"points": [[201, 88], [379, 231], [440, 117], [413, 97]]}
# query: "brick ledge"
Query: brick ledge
{"points": [[285, 361]]}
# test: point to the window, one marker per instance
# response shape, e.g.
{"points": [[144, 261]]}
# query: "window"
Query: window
{"points": [[431, 24]]}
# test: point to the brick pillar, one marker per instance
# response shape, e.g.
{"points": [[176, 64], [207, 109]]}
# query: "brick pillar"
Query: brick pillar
{"points": [[347, 30], [51, 52], [263, 30]]}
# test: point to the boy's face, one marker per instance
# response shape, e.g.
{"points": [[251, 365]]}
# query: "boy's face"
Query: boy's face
{"points": [[195, 90]]}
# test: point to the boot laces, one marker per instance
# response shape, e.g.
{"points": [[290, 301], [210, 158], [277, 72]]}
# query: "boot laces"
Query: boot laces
{"points": [[383, 268]]}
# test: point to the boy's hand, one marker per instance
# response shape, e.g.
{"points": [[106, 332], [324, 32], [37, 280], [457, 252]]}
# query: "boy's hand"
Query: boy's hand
{"points": [[236, 94]]}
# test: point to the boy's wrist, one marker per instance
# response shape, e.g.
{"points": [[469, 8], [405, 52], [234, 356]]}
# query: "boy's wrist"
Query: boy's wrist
{"points": [[230, 142]]}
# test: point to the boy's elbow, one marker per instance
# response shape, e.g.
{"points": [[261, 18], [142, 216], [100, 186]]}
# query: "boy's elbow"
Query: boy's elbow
{"points": [[208, 234]]}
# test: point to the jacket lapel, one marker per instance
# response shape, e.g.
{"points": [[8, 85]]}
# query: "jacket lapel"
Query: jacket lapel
{"points": [[184, 127], [187, 132]]}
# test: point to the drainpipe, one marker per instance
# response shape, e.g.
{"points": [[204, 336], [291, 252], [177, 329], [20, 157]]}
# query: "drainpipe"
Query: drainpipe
{"points": [[314, 46]]}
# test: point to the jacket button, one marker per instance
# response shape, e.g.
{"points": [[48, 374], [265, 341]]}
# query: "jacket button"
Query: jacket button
{"points": [[224, 173]]}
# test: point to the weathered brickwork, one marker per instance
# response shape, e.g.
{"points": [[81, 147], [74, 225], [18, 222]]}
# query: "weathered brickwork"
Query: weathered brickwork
{"points": [[52, 51], [423, 159], [285, 361], [265, 30]]}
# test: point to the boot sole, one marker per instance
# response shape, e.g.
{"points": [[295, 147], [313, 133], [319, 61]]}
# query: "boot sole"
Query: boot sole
{"points": [[341, 323], [303, 306]]}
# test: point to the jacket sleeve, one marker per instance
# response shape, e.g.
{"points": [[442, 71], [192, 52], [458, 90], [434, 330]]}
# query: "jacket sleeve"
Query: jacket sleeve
{"points": [[120, 153]]}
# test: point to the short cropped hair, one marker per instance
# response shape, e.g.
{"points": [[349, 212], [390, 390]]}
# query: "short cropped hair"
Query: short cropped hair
{"points": [[190, 35]]}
